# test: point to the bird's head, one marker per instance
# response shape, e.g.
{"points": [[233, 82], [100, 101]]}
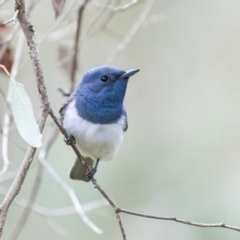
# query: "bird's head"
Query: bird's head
{"points": [[106, 78]]}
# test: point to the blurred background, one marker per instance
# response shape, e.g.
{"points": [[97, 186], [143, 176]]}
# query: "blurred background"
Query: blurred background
{"points": [[180, 156]]}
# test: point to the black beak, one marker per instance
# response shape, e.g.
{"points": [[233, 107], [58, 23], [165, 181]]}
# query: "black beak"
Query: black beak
{"points": [[129, 73]]}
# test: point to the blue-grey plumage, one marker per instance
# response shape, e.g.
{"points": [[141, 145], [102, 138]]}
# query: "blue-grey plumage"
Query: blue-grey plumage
{"points": [[95, 116]]}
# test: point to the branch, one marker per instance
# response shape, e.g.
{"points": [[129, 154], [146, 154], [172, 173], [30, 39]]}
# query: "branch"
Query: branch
{"points": [[111, 202], [76, 44], [94, 181], [121, 225], [64, 92], [175, 219]]}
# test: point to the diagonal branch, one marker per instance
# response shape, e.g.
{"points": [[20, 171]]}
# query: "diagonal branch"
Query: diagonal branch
{"points": [[94, 181]]}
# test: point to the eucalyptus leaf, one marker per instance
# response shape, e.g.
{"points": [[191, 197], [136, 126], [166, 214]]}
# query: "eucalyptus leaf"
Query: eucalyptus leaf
{"points": [[23, 116]]}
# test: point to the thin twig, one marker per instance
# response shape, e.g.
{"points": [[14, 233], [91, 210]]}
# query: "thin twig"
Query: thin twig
{"points": [[175, 219], [112, 203], [64, 92], [76, 44], [13, 19], [126, 6], [91, 33], [64, 32], [133, 30], [121, 225]]}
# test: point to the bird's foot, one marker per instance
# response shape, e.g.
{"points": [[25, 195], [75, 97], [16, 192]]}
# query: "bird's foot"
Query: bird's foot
{"points": [[90, 174], [70, 140]]}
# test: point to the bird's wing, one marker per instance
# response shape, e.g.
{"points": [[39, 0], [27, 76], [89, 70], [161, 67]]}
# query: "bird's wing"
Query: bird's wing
{"points": [[125, 126], [64, 106]]}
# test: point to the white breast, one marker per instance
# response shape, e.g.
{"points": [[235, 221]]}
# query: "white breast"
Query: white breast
{"points": [[98, 141]]}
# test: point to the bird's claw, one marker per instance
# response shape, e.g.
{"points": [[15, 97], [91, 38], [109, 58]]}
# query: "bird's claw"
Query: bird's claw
{"points": [[70, 140], [90, 174]]}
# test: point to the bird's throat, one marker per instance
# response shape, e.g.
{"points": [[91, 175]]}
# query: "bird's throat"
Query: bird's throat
{"points": [[101, 111]]}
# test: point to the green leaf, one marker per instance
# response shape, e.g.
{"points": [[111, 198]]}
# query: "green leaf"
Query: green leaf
{"points": [[23, 115]]}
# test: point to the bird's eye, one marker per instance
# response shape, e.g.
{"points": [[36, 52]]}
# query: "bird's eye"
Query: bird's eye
{"points": [[104, 78]]}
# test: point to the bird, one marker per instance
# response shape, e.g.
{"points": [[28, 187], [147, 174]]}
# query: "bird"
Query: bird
{"points": [[95, 118]]}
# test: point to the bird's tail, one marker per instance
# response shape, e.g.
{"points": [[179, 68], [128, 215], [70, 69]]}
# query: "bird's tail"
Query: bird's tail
{"points": [[78, 171]]}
